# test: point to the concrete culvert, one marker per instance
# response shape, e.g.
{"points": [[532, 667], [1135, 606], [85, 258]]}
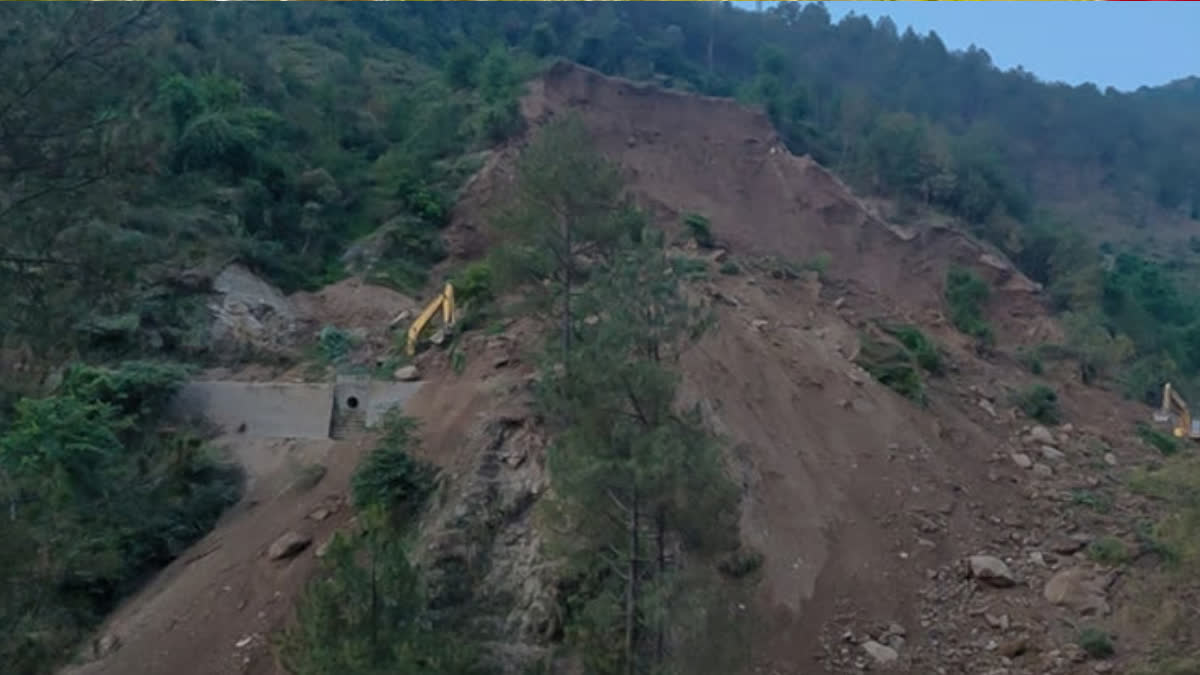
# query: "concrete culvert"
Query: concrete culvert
{"points": [[352, 402]]}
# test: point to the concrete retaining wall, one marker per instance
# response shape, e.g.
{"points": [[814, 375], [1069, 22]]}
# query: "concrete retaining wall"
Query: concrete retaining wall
{"points": [[287, 410], [268, 409]]}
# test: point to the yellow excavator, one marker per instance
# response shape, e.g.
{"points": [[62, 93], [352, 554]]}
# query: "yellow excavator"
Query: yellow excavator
{"points": [[445, 302], [1175, 410]]}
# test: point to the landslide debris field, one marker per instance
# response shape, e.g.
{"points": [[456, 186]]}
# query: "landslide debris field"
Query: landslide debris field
{"points": [[947, 535]]}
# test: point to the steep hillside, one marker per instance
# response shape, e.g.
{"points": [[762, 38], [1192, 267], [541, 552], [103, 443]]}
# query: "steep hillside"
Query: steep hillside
{"points": [[865, 504]]}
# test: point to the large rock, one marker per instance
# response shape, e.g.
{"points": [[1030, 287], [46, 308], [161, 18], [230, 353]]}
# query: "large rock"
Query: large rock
{"points": [[407, 373], [1040, 435], [991, 570], [882, 654], [1079, 589], [288, 545], [249, 314]]}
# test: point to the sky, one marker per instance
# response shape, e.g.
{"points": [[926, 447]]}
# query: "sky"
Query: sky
{"points": [[1119, 44]]}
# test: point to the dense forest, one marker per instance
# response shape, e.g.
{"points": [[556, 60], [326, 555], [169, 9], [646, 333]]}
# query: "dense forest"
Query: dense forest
{"points": [[140, 144]]}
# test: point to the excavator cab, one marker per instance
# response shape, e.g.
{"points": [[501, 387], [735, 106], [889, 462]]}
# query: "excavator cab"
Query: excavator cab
{"points": [[1175, 411], [445, 302]]}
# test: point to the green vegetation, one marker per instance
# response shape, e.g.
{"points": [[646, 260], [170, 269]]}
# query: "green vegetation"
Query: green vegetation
{"points": [[633, 476], [96, 497], [1096, 643], [729, 268], [1039, 402], [365, 612], [898, 363], [893, 366], [966, 295], [1176, 486], [700, 228], [923, 349], [1164, 443], [1108, 550]]}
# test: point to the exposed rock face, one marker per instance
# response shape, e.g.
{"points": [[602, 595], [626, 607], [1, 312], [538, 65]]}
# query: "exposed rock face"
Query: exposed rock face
{"points": [[482, 554], [249, 314]]}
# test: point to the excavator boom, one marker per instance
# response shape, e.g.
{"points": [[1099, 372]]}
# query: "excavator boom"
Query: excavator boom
{"points": [[445, 302], [1174, 407]]}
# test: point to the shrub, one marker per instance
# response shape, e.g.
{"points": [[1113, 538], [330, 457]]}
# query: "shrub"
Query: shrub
{"points": [[893, 367], [1097, 643], [390, 477], [1167, 445], [730, 268], [333, 344], [818, 263], [966, 295], [1108, 550], [924, 350], [1039, 402], [700, 228], [474, 283]]}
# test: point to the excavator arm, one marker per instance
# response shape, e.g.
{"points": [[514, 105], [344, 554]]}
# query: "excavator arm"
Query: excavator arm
{"points": [[445, 302], [1173, 406]]}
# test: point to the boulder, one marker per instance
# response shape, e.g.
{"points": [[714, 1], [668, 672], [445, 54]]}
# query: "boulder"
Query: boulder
{"points": [[991, 570]]}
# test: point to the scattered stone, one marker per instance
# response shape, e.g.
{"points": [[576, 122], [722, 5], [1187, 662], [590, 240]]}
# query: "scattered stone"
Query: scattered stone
{"points": [[759, 324], [244, 642], [400, 318], [1022, 460], [1071, 544], [1043, 470], [319, 514], [991, 570], [883, 654], [501, 361], [997, 621], [1011, 649], [105, 645], [323, 547], [407, 373], [1077, 589], [288, 545], [1038, 558], [1110, 459], [438, 338], [1041, 435], [987, 406], [1102, 667], [1053, 454]]}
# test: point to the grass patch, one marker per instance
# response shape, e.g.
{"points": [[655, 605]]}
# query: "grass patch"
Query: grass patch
{"points": [[1108, 550], [1098, 501], [1176, 486], [701, 229], [1164, 443], [730, 268], [1040, 403], [892, 365], [923, 349], [967, 295], [1096, 643]]}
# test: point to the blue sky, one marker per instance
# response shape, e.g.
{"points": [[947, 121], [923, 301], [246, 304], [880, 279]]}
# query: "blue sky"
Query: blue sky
{"points": [[1119, 44]]}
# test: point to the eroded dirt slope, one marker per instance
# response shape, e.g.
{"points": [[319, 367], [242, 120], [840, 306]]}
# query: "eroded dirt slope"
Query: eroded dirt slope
{"points": [[865, 504]]}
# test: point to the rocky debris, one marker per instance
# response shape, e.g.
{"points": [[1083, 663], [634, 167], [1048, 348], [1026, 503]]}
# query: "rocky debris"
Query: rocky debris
{"points": [[1042, 470], [1066, 545], [991, 570], [319, 514], [104, 646], [1040, 435], [882, 654], [249, 314], [399, 319], [408, 373], [1110, 459], [323, 547], [1078, 589], [1022, 460], [288, 545], [1052, 454]]}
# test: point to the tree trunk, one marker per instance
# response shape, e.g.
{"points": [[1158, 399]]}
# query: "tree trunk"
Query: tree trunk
{"points": [[660, 542], [631, 589]]}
